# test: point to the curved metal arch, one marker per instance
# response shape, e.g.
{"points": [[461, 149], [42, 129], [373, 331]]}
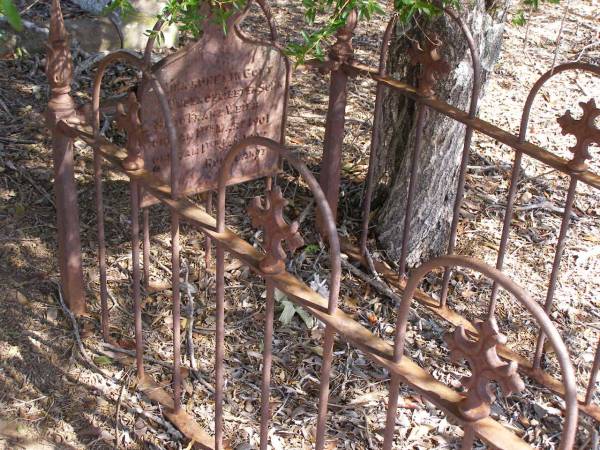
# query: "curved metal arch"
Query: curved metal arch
{"points": [[140, 63], [452, 261], [475, 60], [315, 188], [567, 67]]}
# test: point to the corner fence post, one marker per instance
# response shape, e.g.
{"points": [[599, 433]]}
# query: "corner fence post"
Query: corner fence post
{"points": [[59, 70], [340, 53]]}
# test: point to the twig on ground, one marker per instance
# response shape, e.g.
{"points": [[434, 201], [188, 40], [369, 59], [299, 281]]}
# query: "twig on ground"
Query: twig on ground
{"points": [[116, 349], [379, 285], [82, 351], [33, 183], [124, 386]]}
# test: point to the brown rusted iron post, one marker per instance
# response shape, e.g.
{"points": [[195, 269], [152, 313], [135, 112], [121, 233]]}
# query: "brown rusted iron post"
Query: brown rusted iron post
{"points": [[329, 178], [59, 70]]}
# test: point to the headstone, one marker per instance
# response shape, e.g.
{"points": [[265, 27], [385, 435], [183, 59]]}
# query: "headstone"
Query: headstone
{"points": [[220, 89]]}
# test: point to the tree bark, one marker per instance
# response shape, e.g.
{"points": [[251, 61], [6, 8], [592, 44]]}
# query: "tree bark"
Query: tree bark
{"points": [[442, 143]]}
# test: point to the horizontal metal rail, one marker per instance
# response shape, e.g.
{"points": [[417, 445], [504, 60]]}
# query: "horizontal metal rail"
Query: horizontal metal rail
{"points": [[556, 162], [376, 349]]}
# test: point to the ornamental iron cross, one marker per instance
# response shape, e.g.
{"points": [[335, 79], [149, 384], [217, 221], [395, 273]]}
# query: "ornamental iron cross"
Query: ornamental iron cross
{"points": [[585, 131], [128, 120], [486, 366], [432, 64], [276, 230]]}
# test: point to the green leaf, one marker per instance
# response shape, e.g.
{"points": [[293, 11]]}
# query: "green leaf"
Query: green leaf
{"points": [[312, 249], [8, 9], [103, 360], [519, 18]]}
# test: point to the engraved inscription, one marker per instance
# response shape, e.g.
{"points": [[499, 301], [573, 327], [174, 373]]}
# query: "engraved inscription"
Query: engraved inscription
{"points": [[220, 89]]}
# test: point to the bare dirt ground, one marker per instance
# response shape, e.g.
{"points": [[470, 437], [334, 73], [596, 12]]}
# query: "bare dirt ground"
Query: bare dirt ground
{"points": [[49, 399]]}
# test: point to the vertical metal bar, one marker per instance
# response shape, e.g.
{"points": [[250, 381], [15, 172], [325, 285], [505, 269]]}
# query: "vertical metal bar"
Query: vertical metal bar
{"points": [[208, 241], [508, 213], [175, 247], [476, 88], [265, 389], [135, 259], [390, 423], [414, 169], [394, 391], [105, 315], [324, 386], [591, 388], [146, 246], [375, 135], [468, 438], [59, 70], [329, 177], [560, 248], [220, 346]]}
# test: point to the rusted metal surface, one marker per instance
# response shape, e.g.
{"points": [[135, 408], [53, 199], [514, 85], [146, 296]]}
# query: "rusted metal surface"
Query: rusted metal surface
{"points": [[484, 127], [485, 365], [452, 317], [341, 53], [167, 96], [474, 101], [221, 89], [444, 397], [59, 69], [585, 131], [519, 295], [269, 217], [278, 229], [432, 67]]}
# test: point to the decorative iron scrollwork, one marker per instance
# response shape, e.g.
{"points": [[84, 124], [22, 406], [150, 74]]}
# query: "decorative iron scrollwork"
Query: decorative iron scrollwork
{"points": [[585, 131], [432, 64], [486, 366], [269, 218]]}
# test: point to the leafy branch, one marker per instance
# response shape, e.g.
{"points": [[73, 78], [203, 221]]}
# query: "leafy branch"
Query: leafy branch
{"points": [[10, 11], [324, 17]]}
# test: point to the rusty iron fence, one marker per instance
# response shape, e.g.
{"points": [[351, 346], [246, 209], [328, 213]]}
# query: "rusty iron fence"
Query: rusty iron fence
{"points": [[257, 152]]}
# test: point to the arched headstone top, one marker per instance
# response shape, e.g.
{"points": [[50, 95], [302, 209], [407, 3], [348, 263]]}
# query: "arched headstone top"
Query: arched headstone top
{"points": [[221, 89]]}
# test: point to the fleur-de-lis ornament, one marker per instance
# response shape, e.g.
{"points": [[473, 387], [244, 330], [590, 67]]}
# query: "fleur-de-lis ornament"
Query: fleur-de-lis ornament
{"points": [[486, 366], [128, 120], [276, 230], [433, 67], [585, 131]]}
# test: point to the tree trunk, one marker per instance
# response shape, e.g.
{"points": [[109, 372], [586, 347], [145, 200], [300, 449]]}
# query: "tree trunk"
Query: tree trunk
{"points": [[442, 141]]}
